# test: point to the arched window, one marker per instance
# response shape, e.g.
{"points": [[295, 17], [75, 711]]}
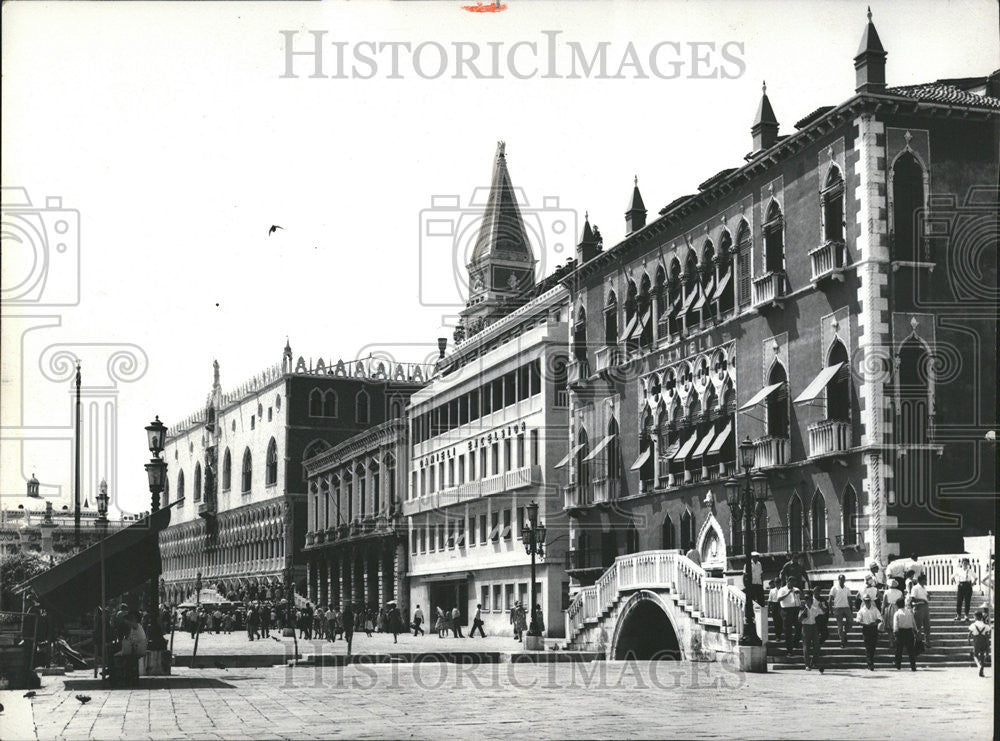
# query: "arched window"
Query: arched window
{"points": [[583, 468], [795, 524], [725, 290], [691, 287], [197, 482], [631, 539], [761, 540], [247, 476], [614, 461], [645, 313], [315, 403], [580, 336], [818, 521], [362, 407], [659, 290], [907, 200], [687, 530], [744, 270], [646, 468], [774, 239], [611, 320], [849, 513], [833, 206], [271, 466], [227, 470], [913, 417], [631, 302], [180, 484], [674, 297], [736, 528], [777, 402], [838, 388], [668, 535], [329, 403], [707, 280]]}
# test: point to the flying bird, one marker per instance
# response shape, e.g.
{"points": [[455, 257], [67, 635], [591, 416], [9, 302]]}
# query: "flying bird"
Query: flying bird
{"points": [[277, 640], [29, 693], [273, 229], [84, 699]]}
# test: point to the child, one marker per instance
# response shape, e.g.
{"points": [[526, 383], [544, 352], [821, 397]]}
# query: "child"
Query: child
{"points": [[979, 635]]}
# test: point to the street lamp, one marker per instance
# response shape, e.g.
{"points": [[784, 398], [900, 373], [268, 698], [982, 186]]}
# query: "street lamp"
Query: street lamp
{"points": [[745, 496], [156, 470], [533, 535]]}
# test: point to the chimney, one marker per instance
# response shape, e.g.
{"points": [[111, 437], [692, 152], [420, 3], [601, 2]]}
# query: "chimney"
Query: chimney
{"points": [[587, 249], [869, 64], [635, 217], [442, 344], [765, 126]]}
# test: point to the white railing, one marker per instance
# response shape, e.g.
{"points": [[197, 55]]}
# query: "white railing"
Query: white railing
{"points": [[709, 600], [827, 260], [769, 287], [941, 568], [771, 451], [607, 357], [829, 436]]}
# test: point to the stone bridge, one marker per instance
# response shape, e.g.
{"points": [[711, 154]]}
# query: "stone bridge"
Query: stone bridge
{"points": [[661, 604]]}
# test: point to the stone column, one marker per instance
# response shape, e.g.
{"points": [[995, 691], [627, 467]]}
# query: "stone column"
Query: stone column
{"points": [[339, 584], [379, 556]]}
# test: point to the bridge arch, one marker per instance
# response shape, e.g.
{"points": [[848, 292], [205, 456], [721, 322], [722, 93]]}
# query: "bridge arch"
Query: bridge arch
{"points": [[645, 629]]}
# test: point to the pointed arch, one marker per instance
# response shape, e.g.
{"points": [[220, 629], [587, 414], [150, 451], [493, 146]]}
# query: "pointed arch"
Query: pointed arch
{"points": [[838, 388], [227, 470], [271, 464], [796, 523], [711, 543], [744, 264], [817, 521], [197, 482], [315, 403], [914, 392], [849, 517], [777, 401], [180, 484], [330, 403], [907, 194], [832, 199], [668, 535], [774, 239], [580, 335], [687, 530], [611, 319], [631, 538], [246, 472], [614, 460], [362, 407]]}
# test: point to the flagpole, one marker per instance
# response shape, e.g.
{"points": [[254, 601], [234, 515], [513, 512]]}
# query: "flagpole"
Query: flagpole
{"points": [[76, 478]]}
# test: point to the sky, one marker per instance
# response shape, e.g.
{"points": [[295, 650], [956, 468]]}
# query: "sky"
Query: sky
{"points": [[175, 137]]}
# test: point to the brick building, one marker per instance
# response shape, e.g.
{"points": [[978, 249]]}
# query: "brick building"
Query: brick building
{"points": [[239, 466], [832, 299]]}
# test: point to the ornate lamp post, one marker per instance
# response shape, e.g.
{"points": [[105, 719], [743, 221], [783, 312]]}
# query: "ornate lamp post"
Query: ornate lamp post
{"points": [[533, 535], [156, 470], [744, 496]]}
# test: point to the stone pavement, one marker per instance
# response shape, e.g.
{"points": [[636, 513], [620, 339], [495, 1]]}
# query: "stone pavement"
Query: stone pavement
{"points": [[435, 701]]}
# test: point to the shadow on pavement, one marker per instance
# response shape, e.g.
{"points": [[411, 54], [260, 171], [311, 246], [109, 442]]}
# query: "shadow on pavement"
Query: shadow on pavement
{"points": [[150, 683]]}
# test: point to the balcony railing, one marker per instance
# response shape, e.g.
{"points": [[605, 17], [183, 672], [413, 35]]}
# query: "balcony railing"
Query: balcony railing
{"points": [[769, 289], [850, 540], [577, 495], [829, 436], [771, 451], [589, 558], [579, 371], [562, 398], [775, 540], [608, 357], [828, 261]]}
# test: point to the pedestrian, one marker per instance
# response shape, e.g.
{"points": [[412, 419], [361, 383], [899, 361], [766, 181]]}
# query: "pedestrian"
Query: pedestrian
{"points": [[808, 615], [456, 622], [331, 623], [792, 572], [774, 609], [394, 621], [822, 621], [418, 619], [895, 569], [916, 567], [840, 604], [904, 634], [521, 620], [253, 622], [756, 586], [338, 624], [869, 618], [878, 575], [870, 590], [440, 625], [347, 620], [979, 634], [964, 577], [920, 603], [788, 598], [513, 621], [477, 623], [219, 618], [537, 622]]}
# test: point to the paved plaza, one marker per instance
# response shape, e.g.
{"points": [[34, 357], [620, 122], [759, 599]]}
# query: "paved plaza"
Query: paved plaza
{"points": [[436, 701]]}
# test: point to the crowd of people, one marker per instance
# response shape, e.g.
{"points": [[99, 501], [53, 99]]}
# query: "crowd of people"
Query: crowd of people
{"points": [[893, 601]]}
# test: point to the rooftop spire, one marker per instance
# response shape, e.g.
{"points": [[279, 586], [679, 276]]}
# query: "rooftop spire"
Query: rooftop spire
{"points": [[635, 217], [869, 64], [765, 125], [502, 232]]}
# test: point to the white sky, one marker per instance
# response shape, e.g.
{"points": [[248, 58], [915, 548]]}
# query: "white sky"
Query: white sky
{"points": [[169, 128]]}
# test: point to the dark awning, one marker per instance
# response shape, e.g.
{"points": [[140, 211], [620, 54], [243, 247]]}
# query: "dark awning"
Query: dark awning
{"points": [[73, 587]]}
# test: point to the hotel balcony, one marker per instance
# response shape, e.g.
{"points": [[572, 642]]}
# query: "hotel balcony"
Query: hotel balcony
{"points": [[771, 451], [579, 372], [518, 478], [608, 357], [828, 261], [829, 437], [576, 496], [768, 290]]}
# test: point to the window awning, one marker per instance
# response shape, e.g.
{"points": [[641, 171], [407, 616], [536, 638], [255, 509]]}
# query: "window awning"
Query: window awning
{"points": [[630, 327], [671, 451], [690, 299], [676, 306], [643, 457], [573, 451], [506, 532], [644, 322], [129, 555], [723, 283], [686, 448], [761, 395], [818, 383], [705, 293], [705, 442], [720, 440], [599, 447]]}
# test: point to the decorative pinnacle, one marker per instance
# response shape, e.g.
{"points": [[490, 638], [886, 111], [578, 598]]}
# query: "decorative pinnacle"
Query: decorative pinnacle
{"points": [[635, 179], [763, 87], [869, 13]]}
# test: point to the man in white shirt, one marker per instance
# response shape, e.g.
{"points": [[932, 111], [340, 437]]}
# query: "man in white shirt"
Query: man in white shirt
{"points": [[869, 618], [808, 613], [840, 604], [903, 629], [964, 577], [918, 600], [915, 566], [897, 570], [774, 609], [788, 598]]}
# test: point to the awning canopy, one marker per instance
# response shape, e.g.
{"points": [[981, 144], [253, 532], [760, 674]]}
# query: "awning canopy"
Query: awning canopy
{"points": [[573, 451], [705, 442], [642, 323], [599, 447], [130, 555], [818, 383], [706, 292], [723, 283], [721, 439], [690, 298], [761, 395], [671, 451], [643, 457], [686, 448], [630, 327]]}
